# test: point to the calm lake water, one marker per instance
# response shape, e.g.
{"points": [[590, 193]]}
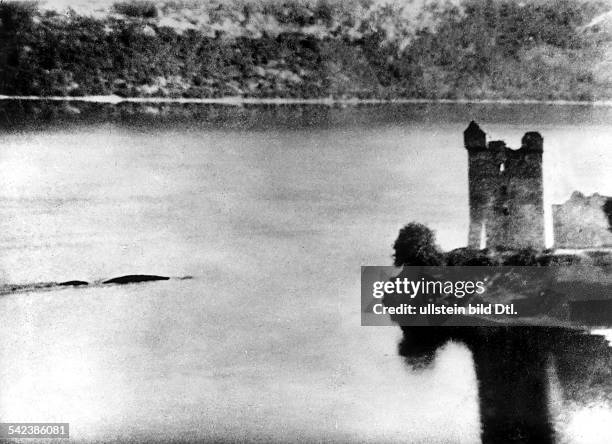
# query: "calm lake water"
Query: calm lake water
{"points": [[271, 211]]}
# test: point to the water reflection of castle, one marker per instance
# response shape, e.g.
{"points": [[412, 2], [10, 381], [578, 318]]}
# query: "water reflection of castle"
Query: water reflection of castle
{"points": [[507, 205], [518, 369]]}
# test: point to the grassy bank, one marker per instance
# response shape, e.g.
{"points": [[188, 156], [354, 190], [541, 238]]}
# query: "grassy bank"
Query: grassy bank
{"points": [[309, 49]]}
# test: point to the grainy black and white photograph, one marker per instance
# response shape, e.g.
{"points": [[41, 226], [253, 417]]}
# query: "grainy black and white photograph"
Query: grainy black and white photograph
{"points": [[220, 220]]}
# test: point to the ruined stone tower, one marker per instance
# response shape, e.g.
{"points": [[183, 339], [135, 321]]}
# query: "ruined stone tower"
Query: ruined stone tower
{"points": [[506, 191]]}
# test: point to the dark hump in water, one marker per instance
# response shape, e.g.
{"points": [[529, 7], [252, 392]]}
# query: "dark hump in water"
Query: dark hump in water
{"points": [[73, 283], [134, 278]]}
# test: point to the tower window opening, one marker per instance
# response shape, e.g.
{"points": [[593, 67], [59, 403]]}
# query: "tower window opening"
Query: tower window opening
{"points": [[483, 236], [502, 167]]}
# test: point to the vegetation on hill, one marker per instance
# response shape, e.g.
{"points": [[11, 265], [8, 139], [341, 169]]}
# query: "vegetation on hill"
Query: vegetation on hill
{"points": [[475, 49]]}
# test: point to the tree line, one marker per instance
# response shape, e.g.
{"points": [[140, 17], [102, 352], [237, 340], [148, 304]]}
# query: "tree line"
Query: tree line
{"points": [[479, 49]]}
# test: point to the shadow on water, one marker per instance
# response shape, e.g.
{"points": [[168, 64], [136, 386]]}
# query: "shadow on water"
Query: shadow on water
{"points": [[43, 114], [513, 370]]}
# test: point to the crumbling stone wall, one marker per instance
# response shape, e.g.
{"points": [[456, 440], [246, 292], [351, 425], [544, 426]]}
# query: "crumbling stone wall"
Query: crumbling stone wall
{"points": [[505, 191], [583, 222]]}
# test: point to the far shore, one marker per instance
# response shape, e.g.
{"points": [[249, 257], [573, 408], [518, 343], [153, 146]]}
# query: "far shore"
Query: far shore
{"points": [[238, 101]]}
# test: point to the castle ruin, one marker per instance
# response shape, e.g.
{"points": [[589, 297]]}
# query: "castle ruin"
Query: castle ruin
{"points": [[583, 222], [505, 192]]}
